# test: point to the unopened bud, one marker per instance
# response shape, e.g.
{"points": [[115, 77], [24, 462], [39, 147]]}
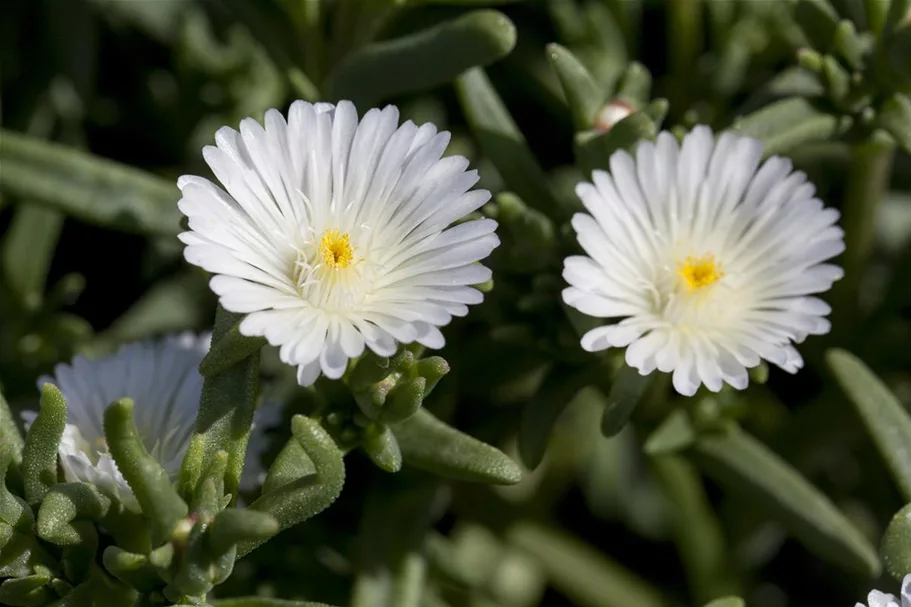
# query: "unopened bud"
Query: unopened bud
{"points": [[611, 114]]}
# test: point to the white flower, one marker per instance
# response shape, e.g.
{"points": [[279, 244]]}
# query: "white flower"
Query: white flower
{"points": [[708, 259], [880, 599], [162, 379], [332, 235]]}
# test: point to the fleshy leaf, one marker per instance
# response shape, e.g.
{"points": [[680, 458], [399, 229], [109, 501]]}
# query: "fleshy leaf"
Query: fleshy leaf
{"points": [[225, 414], [884, 416], [149, 482], [382, 70], [28, 248], [294, 500], [895, 117], [788, 123], [39, 456], [92, 189], [502, 141], [432, 445], [583, 95], [746, 466]]}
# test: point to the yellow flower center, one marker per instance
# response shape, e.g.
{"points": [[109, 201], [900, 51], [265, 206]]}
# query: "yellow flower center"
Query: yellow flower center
{"points": [[699, 272], [335, 249]]}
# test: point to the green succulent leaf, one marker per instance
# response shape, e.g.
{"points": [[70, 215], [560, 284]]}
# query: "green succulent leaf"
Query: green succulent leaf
{"points": [[225, 413], [14, 511], [131, 568], [432, 445], [785, 124], [10, 437], [894, 548], [883, 415], [635, 85], [39, 456], [895, 117], [235, 526], [292, 500], [92, 189], [743, 464], [232, 348], [64, 504], [422, 60], [383, 449], [27, 250], [149, 482], [583, 95], [502, 141], [28, 591]]}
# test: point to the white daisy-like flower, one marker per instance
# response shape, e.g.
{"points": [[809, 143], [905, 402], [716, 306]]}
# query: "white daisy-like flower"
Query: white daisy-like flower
{"points": [[706, 259], [162, 379], [333, 234], [881, 599]]}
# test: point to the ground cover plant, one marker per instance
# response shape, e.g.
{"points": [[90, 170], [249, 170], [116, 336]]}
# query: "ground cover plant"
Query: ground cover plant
{"points": [[465, 303]]}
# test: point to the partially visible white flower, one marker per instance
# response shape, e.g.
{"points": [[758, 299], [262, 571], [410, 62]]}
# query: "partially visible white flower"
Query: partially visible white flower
{"points": [[706, 259], [334, 234], [162, 379], [881, 599]]}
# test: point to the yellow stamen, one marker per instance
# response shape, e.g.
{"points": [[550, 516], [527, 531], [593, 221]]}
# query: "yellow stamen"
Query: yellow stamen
{"points": [[335, 249], [698, 272]]}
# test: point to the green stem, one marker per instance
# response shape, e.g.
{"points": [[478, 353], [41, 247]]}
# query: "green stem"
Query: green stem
{"points": [[868, 179]]}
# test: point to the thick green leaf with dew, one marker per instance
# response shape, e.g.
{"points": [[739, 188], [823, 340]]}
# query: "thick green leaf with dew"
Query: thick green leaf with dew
{"points": [[303, 481], [225, 413], [894, 547], [90, 188], [39, 456], [886, 419], [785, 124], [432, 445], [502, 141], [159, 501], [10, 436], [422, 60], [746, 466]]}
